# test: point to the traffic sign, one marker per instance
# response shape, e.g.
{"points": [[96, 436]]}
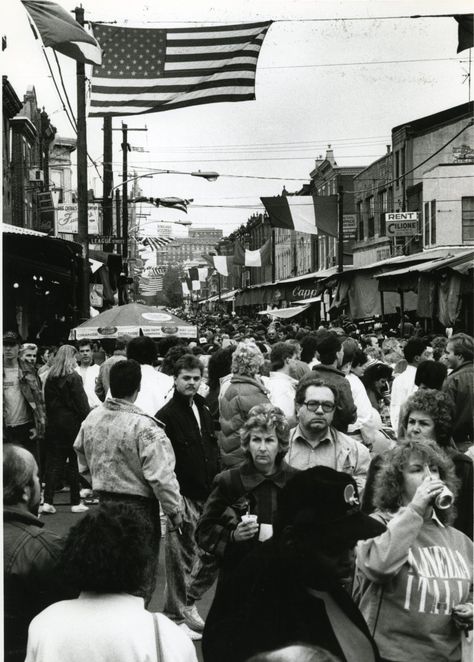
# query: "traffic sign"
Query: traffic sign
{"points": [[105, 239]]}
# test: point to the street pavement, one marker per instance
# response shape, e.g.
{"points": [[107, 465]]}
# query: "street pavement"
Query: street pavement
{"points": [[62, 521]]}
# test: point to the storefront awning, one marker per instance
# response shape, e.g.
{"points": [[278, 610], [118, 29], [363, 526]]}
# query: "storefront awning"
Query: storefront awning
{"points": [[285, 313]]}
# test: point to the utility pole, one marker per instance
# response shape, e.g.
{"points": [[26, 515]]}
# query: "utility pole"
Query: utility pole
{"points": [[82, 210], [340, 229], [107, 203], [125, 149]]}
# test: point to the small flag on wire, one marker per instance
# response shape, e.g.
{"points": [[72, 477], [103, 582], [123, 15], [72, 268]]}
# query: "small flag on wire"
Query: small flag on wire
{"points": [[156, 271], [60, 31], [260, 257], [148, 70], [185, 288], [172, 203], [304, 213], [203, 273], [223, 263], [156, 243]]}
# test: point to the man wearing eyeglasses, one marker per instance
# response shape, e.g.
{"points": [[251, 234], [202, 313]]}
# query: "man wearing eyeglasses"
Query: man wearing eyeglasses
{"points": [[315, 441]]}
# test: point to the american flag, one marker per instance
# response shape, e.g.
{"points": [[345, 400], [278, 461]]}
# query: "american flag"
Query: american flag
{"points": [[172, 203], [156, 243], [148, 70], [150, 285]]}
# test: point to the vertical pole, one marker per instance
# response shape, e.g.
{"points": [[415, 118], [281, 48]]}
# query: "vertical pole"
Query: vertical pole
{"points": [[340, 229], [118, 210], [125, 193], [402, 312], [82, 211], [107, 202], [382, 306], [273, 256]]}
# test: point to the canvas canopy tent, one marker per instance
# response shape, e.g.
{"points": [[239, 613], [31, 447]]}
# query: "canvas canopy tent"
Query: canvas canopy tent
{"points": [[134, 319]]}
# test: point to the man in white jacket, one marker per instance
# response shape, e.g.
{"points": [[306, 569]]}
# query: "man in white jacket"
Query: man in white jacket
{"points": [[281, 386]]}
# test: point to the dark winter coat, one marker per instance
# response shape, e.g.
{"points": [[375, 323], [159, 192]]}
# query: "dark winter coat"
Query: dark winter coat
{"points": [[30, 556], [196, 451], [66, 407], [264, 605], [459, 387], [241, 395]]}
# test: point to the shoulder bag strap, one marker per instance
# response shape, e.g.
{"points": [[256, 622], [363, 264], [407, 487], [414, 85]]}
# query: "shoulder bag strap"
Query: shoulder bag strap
{"points": [[159, 651]]}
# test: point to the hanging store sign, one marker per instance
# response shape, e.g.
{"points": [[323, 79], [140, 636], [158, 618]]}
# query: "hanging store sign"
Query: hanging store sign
{"points": [[105, 239], [67, 218], [349, 226], [402, 224]]}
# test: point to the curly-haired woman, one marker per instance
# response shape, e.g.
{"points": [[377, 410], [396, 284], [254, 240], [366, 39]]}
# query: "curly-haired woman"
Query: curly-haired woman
{"points": [[108, 560], [428, 416], [225, 529], [245, 390], [413, 581]]}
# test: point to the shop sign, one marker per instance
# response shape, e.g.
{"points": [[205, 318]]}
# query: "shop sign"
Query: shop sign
{"points": [[349, 227], [105, 239], [402, 223], [304, 292], [67, 218]]}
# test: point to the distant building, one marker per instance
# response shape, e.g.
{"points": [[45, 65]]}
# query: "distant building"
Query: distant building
{"points": [[198, 242]]}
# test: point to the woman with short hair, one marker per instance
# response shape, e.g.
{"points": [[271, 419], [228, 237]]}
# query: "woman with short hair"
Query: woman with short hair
{"points": [[239, 511], [109, 561], [413, 582], [245, 390], [428, 416], [66, 407]]}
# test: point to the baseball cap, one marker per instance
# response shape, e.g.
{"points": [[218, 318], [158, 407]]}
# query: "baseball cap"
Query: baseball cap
{"points": [[11, 338], [326, 500]]}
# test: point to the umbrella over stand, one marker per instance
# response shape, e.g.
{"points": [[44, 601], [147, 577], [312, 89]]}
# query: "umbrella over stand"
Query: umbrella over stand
{"points": [[134, 319]]}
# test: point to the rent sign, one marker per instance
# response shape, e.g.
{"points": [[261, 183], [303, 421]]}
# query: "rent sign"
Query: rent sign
{"points": [[402, 224]]}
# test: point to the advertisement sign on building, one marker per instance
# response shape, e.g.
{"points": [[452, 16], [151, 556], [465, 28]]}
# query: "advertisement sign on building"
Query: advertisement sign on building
{"points": [[402, 224], [349, 226], [66, 218]]}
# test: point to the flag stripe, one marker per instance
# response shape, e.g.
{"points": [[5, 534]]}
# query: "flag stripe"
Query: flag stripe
{"points": [[149, 70], [310, 214]]}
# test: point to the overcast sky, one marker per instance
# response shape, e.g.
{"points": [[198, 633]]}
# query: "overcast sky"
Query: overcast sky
{"points": [[334, 81]]}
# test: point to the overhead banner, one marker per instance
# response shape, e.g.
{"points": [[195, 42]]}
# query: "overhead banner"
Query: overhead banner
{"points": [[67, 218]]}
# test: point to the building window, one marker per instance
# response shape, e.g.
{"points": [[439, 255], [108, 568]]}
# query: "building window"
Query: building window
{"points": [[433, 222], [467, 220], [426, 224], [360, 221], [370, 206]]}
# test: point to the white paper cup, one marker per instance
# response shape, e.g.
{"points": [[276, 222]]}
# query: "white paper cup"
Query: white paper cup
{"points": [[249, 518]]}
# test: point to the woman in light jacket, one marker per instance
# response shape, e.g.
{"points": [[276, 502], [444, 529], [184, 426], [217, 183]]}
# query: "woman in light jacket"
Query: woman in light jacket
{"points": [[245, 390], [413, 582]]}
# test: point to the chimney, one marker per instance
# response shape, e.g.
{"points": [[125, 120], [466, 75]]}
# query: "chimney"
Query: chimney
{"points": [[389, 148], [330, 156]]}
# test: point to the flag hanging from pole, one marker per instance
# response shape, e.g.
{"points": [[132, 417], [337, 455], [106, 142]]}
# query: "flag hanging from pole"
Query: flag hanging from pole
{"points": [[185, 288], [148, 70], [172, 203], [59, 30], [203, 273], [155, 243], [260, 257], [304, 213]]}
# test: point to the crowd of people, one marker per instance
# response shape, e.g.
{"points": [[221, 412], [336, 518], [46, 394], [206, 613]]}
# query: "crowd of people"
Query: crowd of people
{"points": [[319, 481]]}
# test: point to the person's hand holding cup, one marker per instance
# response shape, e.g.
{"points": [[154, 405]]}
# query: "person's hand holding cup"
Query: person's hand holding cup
{"points": [[246, 529]]}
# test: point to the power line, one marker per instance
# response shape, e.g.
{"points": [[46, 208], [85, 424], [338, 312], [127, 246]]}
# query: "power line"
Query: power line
{"points": [[369, 62]]}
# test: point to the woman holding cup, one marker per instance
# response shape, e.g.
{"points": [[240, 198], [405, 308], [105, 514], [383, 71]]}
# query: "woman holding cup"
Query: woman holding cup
{"points": [[414, 581], [239, 511]]}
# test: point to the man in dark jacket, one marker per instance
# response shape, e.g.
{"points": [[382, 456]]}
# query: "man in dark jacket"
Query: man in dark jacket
{"points": [[291, 588], [330, 353], [459, 387], [29, 552], [189, 427]]}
